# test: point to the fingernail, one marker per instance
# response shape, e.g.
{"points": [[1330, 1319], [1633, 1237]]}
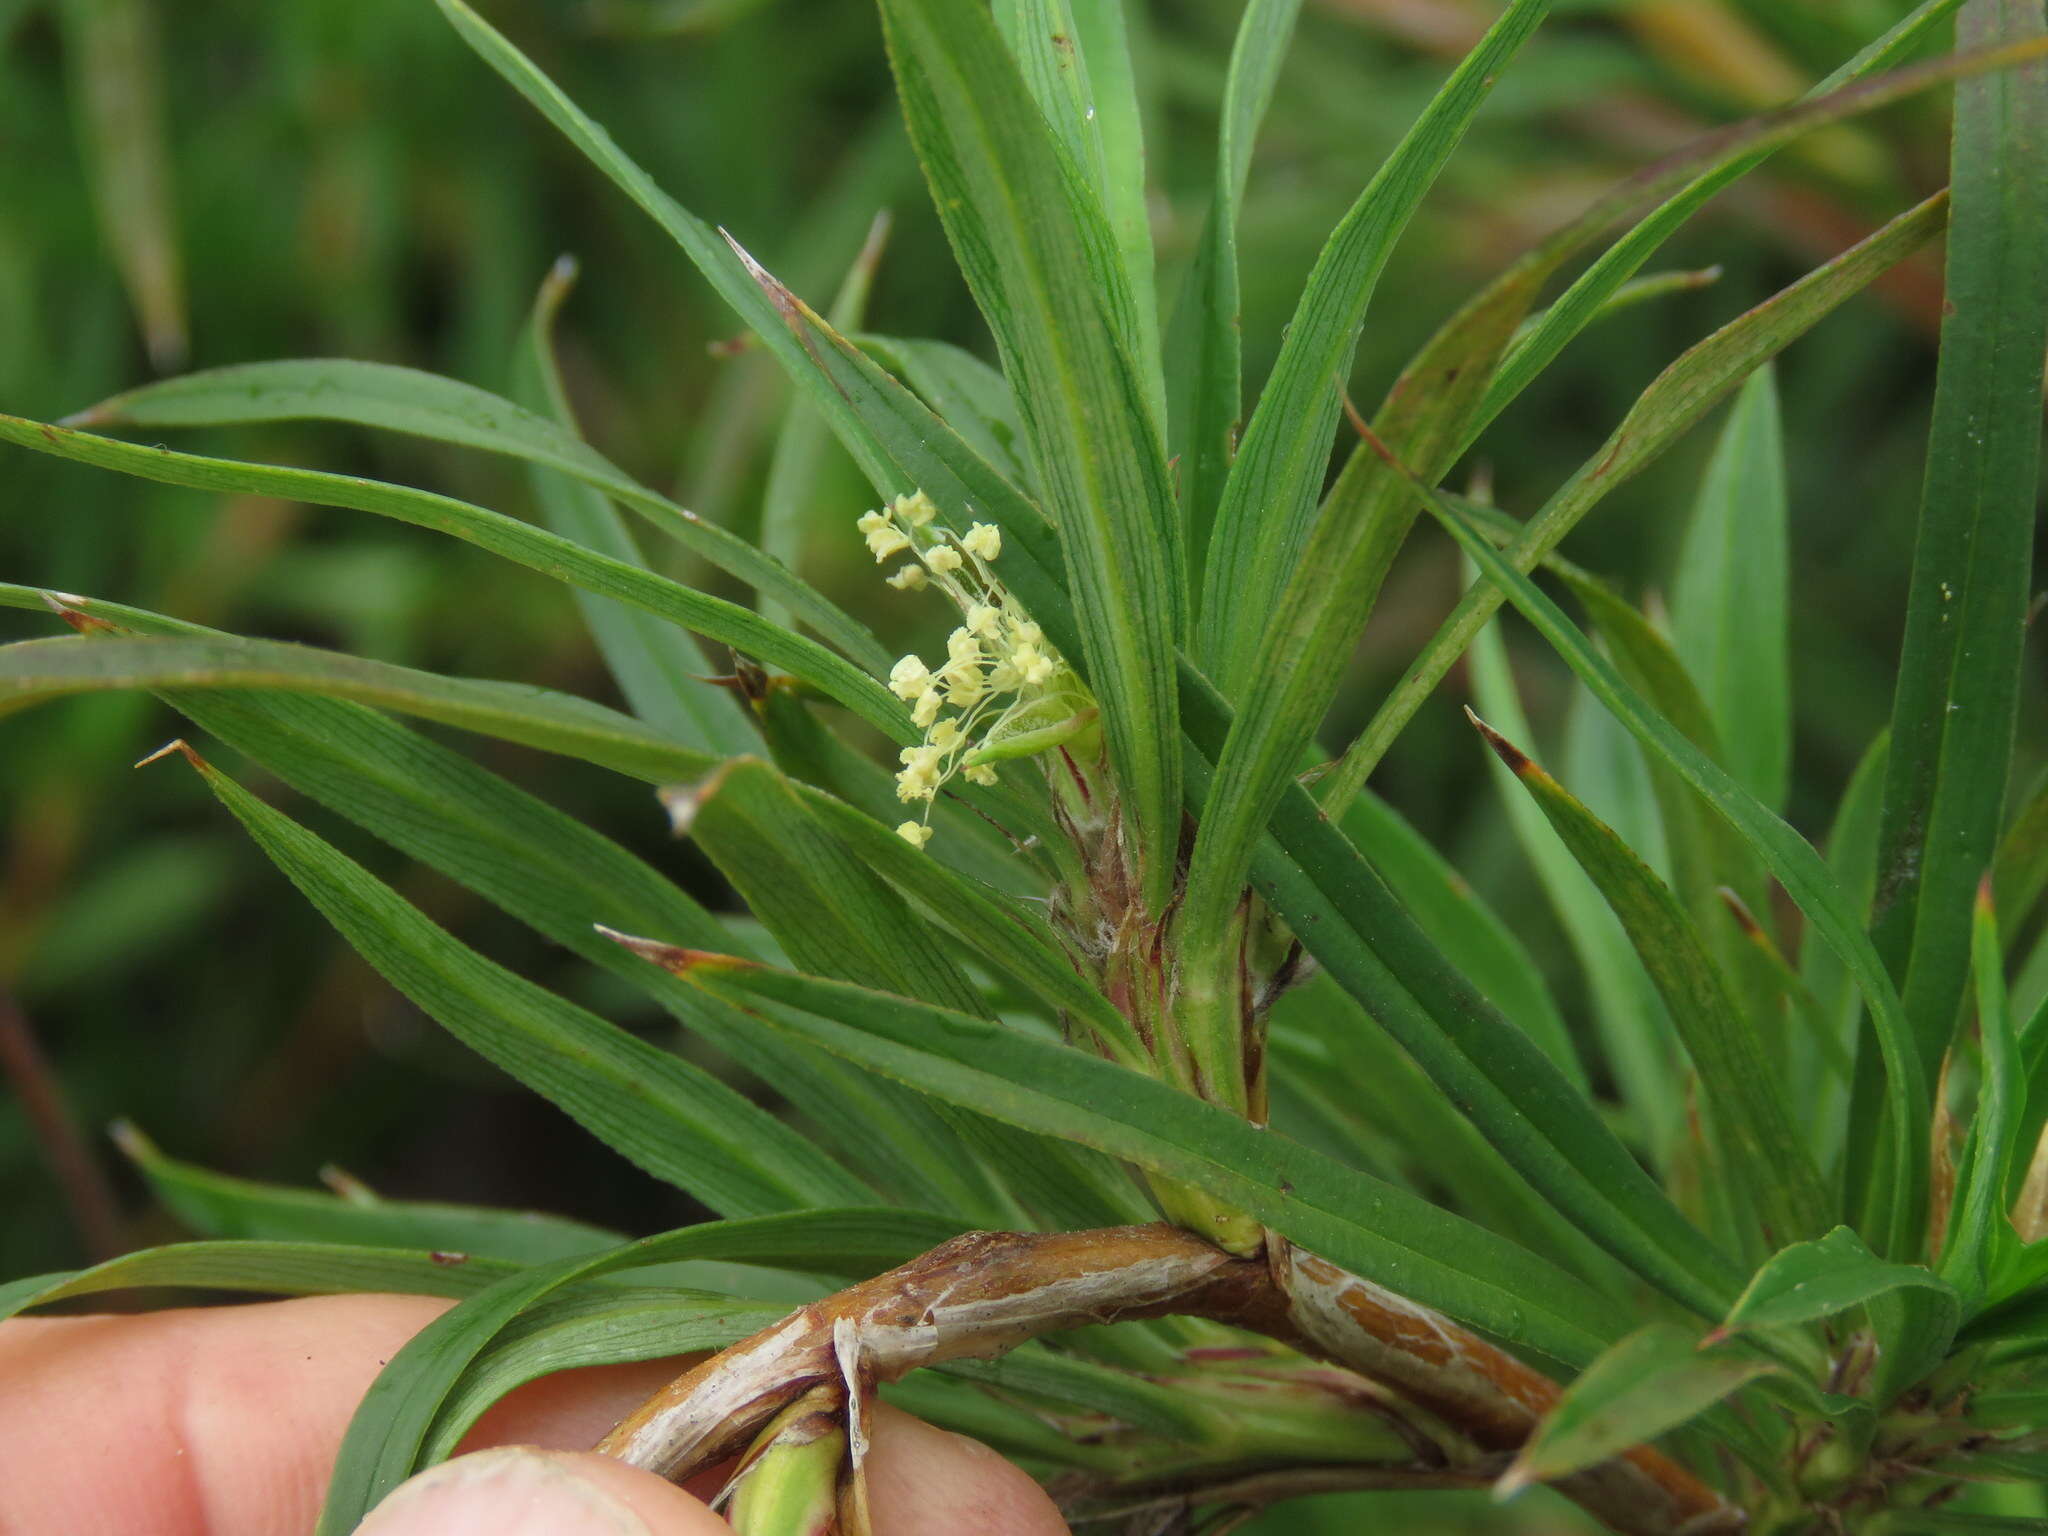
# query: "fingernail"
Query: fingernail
{"points": [[508, 1492]]}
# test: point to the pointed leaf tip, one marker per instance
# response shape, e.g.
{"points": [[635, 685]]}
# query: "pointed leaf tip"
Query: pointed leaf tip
{"points": [[1518, 761], [1739, 910], [178, 744], [673, 958]]}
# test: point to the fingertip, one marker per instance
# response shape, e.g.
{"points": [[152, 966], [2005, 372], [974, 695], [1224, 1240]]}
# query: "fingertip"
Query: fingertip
{"points": [[525, 1491], [924, 1481]]}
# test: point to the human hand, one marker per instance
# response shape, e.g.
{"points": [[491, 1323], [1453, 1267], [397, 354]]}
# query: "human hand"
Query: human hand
{"points": [[224, 1422]]}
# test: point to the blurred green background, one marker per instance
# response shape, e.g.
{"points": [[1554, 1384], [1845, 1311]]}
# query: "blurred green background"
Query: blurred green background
{"points": [[215, 181]]}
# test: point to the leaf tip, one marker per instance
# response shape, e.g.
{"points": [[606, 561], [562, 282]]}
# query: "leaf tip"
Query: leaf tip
{"points": [[1512, 1482], [562, 275], [1745, 919], [125, 1134], [673, 958], [71, 610], [1987, 904], [1519, 762], [180, 745]]}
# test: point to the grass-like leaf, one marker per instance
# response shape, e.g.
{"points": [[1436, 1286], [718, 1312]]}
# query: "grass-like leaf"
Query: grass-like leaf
{"points": [[221, 1206], [1632, 1022], [1959, 675], [278, 1269], [1074, 56], [1204, 342], [35, 671], [1263, 520], [673, 1119], [1037, 253], [658, 666], [1582, 303], [1813, 1280], [116, 60], [789, 509], [1675, 401], [547, 553], [395, 399], [1729, 605], [1319, 884], [1651, 1382], [1977, 1230], [1746, 1109], [1473, 937], [1788, 856]]}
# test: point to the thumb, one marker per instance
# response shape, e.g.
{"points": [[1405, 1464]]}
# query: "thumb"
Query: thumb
{"points": [[523, 1491]]}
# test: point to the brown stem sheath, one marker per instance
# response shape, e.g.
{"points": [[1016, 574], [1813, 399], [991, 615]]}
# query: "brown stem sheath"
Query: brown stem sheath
{"points": [[984, 1293]]}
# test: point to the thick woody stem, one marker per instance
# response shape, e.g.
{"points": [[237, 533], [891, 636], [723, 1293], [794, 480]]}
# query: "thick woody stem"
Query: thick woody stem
{"points": [[984, 1293]]}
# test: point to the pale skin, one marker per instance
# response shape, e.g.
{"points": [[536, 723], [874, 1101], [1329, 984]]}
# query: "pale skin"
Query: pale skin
{"points": [[224, 1421]]}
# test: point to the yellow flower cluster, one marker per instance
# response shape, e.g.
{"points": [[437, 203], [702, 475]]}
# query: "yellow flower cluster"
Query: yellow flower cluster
{"points": [[998, 667]]}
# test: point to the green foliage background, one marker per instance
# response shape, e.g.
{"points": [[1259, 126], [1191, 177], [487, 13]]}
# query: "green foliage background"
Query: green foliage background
{"points": [[344, 179]]}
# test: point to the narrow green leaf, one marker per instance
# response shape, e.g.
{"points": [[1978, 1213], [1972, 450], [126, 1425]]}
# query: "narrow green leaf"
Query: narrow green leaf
{"points": [[967, 395], [389, 1436], [1674, 402], [1978, 1230], [1205, 386], [789, 514], [1033, 253], [1789, 857], [1633, 1023], [551, 555], [35, 671], [1813, 1280], [1730, 602], [835, 915], [672, 1119], [1410, 1132], [1375, 1230], [1954, 713], [116, 67], [1852, 858], [218, 1205], [2021, 869], [1746, 1111], [1336, 902], [1263, 521], [659, 667], [1471, 934], [279, 1269], [1075, 60], [1852, 91], [405, 400], [1004, 934], [1650, 1383], [1305, 648]]}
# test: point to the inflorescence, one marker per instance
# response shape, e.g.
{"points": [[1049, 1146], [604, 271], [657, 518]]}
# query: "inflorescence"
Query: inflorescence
{"points": [[1010, 691]]}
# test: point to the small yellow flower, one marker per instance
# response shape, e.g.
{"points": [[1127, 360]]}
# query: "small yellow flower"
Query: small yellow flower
{"points": [[915, 835], [910, 679], [979, 773], [984, 541], [926, 709], [983, 620], [909, 579], [916, 509], [943, 560], [884, 542]]}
